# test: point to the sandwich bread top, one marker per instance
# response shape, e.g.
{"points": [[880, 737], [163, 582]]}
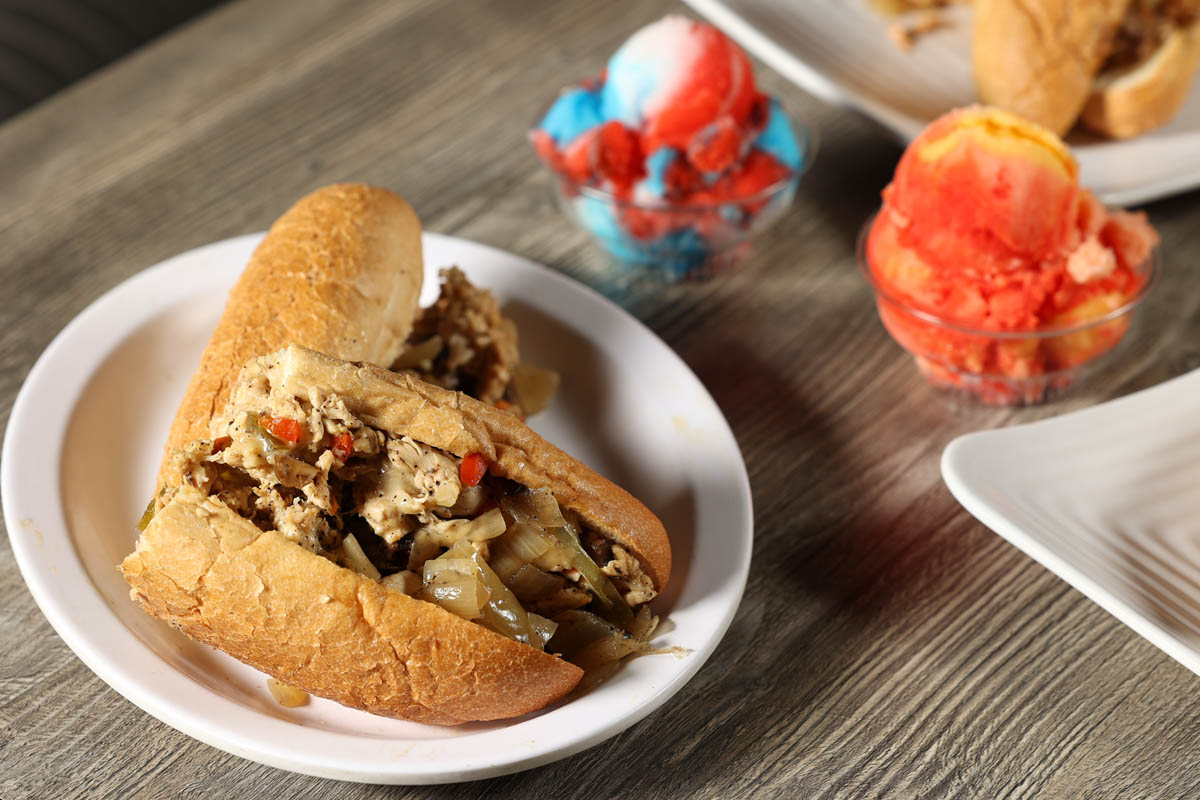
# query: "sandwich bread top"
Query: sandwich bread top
{"points": [[340, 272]]}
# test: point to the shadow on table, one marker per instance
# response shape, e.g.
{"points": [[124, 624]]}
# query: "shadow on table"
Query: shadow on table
{"points": [[851, 169], [815, 536]]}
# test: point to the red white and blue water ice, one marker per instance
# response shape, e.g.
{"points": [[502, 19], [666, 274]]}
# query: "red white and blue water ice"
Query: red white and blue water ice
{"points": [[673, 151]]}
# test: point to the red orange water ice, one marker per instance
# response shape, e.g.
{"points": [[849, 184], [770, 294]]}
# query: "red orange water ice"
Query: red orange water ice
{"points": [[986, 227]]}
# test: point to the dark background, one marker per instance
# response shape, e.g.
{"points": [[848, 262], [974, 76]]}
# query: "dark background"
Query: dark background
{"points": [[46, 45]]}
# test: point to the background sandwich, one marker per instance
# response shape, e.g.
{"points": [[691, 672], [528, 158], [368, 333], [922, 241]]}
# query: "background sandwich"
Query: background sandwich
{"points": [[1122, 67]]}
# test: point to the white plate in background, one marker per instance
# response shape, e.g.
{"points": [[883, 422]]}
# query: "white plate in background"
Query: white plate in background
{"points": [[1108, 499], [839, 51], [85, 438]]}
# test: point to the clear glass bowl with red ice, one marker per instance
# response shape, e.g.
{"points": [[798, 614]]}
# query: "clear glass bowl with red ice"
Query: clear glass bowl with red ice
{"points": [[1011, 365], [995, 267]]}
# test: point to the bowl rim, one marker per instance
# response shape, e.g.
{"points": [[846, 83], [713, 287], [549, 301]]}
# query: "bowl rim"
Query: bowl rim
{"points": [[806, 134], [1153, 267]]}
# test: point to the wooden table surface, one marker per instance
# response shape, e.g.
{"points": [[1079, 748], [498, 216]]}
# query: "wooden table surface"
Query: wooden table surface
{"points": [[888, 645]]}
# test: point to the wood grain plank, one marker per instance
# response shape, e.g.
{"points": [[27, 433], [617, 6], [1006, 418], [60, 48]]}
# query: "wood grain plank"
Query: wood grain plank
{"points": [[887, 645]]}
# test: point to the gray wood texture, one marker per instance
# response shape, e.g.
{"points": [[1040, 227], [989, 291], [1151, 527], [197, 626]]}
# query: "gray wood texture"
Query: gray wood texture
{"points": [[888, 645]]}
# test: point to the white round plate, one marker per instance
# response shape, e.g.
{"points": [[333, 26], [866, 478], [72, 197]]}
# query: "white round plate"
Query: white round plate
{"points": [[83, 446]]}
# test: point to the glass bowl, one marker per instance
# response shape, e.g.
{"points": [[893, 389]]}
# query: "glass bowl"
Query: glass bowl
{"points": [[676, 241], [1009, 367]]}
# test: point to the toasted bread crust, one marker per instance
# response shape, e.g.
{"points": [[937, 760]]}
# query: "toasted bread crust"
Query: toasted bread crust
{"points": [[325, 629], [1147, 96], [459, 424], [1039, 58], [339, 272]]}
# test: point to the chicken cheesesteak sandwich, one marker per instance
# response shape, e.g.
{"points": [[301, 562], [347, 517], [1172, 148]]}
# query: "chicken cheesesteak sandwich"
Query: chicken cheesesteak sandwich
{"points": [[377, 539]]}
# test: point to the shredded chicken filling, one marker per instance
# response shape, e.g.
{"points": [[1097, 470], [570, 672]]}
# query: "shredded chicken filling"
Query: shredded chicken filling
{"points": [[402, 512], [476, 345], [463, 342], [1145, 27]]}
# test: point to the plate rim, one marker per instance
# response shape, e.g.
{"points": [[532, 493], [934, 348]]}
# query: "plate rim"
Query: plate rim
{"points": [[150, 701]]}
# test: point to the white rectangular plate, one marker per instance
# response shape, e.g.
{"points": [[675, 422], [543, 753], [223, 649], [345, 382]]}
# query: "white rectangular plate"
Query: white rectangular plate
{"points": [[1107, 498], [839, 51]]}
